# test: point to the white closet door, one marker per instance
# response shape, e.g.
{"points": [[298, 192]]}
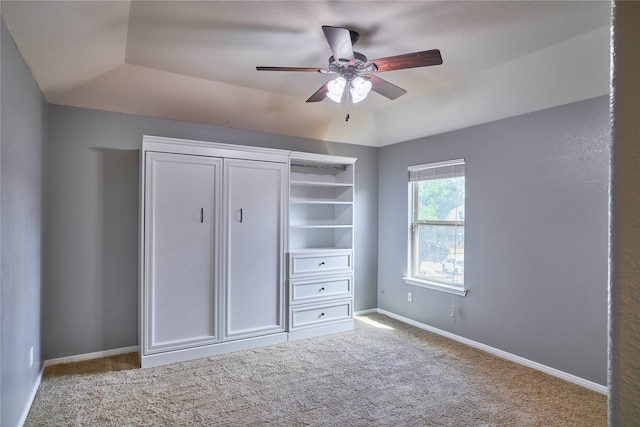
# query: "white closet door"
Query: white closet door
{"points": [[254, 283], [182, 220]]}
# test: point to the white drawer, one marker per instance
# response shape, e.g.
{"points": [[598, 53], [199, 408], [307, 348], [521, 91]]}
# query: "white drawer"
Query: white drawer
{"points": [[318, 314], [317, 289], [301, 264]]}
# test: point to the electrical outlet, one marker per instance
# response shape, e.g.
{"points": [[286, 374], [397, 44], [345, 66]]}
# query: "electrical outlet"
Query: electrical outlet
{"points": [[409, 296], [31, 356]]}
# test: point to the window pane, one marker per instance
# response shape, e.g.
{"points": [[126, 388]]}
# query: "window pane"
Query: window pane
{"points": [[440, 199], [439, 253]]}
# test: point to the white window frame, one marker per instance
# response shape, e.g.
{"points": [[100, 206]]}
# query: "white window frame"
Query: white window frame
{"points": [[434, 170]]}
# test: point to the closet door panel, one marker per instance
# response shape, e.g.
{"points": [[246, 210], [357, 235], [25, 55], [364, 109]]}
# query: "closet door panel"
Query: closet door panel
{"points": [[254, 283], [182, 224]]}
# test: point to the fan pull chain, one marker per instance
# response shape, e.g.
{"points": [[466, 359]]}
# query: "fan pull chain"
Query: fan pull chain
{"points": [[348, 104]]}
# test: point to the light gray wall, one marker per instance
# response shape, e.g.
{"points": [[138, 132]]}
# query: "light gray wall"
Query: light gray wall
{"points": [[22, 154], [535, 236], [90, 300], [624, 356]]}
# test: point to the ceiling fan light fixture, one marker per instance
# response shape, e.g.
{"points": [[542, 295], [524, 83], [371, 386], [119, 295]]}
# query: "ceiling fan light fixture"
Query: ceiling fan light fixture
{"points": [[336, 88], [359, 89], [357, 72]]}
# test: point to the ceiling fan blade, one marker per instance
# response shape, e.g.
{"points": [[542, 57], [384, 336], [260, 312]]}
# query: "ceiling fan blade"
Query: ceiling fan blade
{"points": [[316, 70], [385, 88], [408, 60], [319, 94], [339, 40]]}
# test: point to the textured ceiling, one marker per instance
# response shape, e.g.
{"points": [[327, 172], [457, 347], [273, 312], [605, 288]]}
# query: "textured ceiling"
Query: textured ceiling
{"points": [[195, 61]]}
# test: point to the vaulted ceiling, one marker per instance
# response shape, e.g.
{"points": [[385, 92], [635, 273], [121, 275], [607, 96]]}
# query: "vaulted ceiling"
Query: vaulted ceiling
{"points": [[195, 61]]}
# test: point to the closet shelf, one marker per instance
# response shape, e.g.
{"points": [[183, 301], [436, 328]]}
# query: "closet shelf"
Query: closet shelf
{"points": [[320, 184], [318, 202], [321, 225]]}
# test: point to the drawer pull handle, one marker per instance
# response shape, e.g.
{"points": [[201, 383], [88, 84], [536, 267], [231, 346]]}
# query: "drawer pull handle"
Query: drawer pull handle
{"points": [[321, 289], [321, 264], [321, 314]]}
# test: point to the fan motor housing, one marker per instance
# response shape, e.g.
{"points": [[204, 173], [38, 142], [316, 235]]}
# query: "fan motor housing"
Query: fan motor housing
{"points": [[351, 69]]}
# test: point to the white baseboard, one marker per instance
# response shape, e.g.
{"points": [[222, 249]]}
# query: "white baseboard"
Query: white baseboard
{"points": [[365, 312], [89, 356], [502, 354], [175, 356], [32, 396], [302, 333]]}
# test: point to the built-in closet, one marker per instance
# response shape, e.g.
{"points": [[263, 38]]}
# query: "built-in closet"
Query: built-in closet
{"points": [[225, 262], [321, 212]]}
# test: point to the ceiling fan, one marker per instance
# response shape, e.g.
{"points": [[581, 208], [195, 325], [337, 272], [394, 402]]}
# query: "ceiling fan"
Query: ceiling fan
{"points": [[357, 73]]}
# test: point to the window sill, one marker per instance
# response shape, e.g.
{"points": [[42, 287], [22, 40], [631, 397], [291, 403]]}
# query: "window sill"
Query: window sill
{"points": [[435, 286]]}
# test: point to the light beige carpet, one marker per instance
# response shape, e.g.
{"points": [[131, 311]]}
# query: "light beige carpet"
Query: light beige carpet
{"points": [[384, 373]]}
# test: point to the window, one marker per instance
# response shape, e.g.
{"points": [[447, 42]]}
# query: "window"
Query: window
{"points": [[436, 226]]}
